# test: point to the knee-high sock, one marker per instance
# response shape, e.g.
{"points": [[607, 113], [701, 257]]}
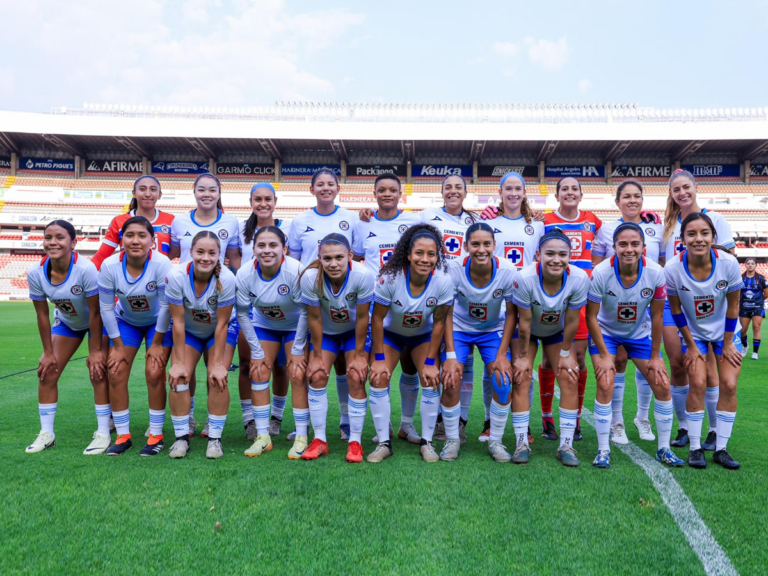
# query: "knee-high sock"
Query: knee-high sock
{"points": [[617, 402], [644, 395], [246, 407], [48, 415], [499, 416], [103, 412], [381, 411], [582, 390], [567, 426], [487, 393], [430, 402], [318, 411], [357, 411], [156, 422], [122, 421], [520, 422], [467, 386], [711, 397], [755, 345], [342, 391], [725, 422], [547, 393], [662, 413], [278, 406], [261, 418], [679, 398], [603, 415], [301, 421], [451, 415], [409, 395], [216, 425], [695, 420]]}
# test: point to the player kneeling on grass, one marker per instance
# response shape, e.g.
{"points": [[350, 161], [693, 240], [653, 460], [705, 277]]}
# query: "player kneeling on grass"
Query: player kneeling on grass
{"points": [[70, 283], [622, 290], [411, 305], [269, 285], [200, 295], [483, 316], [137, 277], [337, 293], [704, 285], [549, 296]]}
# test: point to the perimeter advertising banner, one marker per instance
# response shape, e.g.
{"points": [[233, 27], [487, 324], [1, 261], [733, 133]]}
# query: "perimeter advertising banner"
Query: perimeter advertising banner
{"points": [[499, 171], [440, 171], [641, 171], [5, 163], [243, 169], [57, 164], [133, 166], [376, 169], [308, 169], [714, 170], [175, 167], [575, 171]]}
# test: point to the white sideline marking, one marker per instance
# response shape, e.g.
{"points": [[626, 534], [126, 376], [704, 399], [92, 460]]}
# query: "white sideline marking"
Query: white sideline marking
{"points": [[712, 556]]}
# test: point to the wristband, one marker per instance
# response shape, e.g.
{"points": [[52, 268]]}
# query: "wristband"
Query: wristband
{"points": [[564, 353], [379, 357], [450, 355], [730, 324], [679, 320], [429, 362]]}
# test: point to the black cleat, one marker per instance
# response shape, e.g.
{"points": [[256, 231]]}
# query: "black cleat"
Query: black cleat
{"points": [[152, 449], [681, 439], [234, 367], [711, 441], [725, 460], [696, 459], [577, 437], [120, 446], [549, 432]]}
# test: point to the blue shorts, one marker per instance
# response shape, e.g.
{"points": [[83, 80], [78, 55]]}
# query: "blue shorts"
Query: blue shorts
{"points": [[543, 340], [61, 329], [752, 312], [282, 336], [668, 315], [343, 342], [133, 336], [488, 343], [640, 348], [400, 343], [233, 332], [716, 346]]}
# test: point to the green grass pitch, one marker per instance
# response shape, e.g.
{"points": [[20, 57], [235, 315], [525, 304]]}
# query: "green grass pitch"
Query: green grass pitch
{"points": [[66, 513]]}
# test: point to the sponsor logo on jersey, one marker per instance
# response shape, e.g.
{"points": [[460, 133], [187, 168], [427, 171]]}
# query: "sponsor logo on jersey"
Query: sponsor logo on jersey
{"points": [[610, 292], [384, 255], [118, 291], [283, 289], [187, 233], [351, 296], [402, 228], [626, 313], [498, 293], [309, 230], [273, 313], [138, 304], [437, 219], [76, 289], [213, 300], [478, 312], [371, 235], [536, 303], [550, 318], [202, 316], [412, 320], [223, 234], [344, 225], [431, 302], [340, 316], [397, 302], [529, 230], [151, 286], [514, 254], [684, 288], [576, 244], [66, 307], [646, 293], [722, 285], [452, 244], [705, 307]]}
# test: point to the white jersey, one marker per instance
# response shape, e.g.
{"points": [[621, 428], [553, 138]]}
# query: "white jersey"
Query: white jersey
{"points": [[277, 302], [309, 228], [549, 311], [516, 240], [623, 309], [200, 312], [138, 299], [674, 245], [654, 235], [339, 309], [246, 248], [481, 309], [453, 228], [376, 240], [185, 228], [69, 297], [412, 315], [704, 302]]}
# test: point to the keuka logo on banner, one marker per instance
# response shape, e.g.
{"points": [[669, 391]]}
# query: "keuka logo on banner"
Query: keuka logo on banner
{"points": [[308, 169], [179, 167], [642, 171], [245, 169], [114, 166], [575, 171], [499, 171], [714, 170], [375, 170], [440, 171], [63, 165]]}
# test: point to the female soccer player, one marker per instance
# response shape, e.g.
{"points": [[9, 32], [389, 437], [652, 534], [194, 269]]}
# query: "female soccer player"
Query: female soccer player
{"points": [[629, 200], [703, 284], [200, 296], [549, 296], [307, 230], [409, 314], [337, 293], [680, 203], [751, 306], [70, 283], [268, 286], [483, 316], [137, 277], [622, 290]]}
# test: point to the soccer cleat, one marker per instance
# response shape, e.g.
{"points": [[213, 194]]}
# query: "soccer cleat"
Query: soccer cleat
{"points": [[577, 437], [147, 433], [522, 454], [206, 430], [291, 435], [316, 449], [486, 435], [644, 429], [298, 448], [725, 460], [567, 455], [262, 443], [754, 357], [234, 367], [696, 459], [344, 431], [744, 352], [192, 426], [530, 436], [462, 431], [450, 450], [274, 426], [549, 432], [619, 434], [99, 444], [439, 431], [408, 433], [354, 452], [666, 456], [179, 448], [121, 446], [112, 427], [250, 431], [214, 449], [603, 459], [375, 439], [382, 452], [498, 451], [43, 441], [153, 447], [710, 443], [427, 451], [681, 439]]}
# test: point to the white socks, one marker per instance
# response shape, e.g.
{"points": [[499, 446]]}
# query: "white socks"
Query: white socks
{"points": [[342, 391], [381, 411], [246, 407], [499, 416], [487, 393], [520, 422], [318, 411], [278, 406], [603, 415], [662, 413], [644, 395], [357, 410], [260, 415], [567, 426], [301, 421], [430, 404], [156, 422], [451, 415], [48, 415], [679, 398], [216, 425], [725, 422], [122, 421], [617, 403], [467, 387], [711, 397], [103, 412], [695, 420], [409, 395]]}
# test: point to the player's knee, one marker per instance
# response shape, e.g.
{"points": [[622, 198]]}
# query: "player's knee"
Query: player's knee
{"points": [[318, 381]]}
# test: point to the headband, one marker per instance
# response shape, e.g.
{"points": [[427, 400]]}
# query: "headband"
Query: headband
{"points": [[555, 234], [337, 238], [628, 226], [422, 234], [511, 175], [263, 185]]}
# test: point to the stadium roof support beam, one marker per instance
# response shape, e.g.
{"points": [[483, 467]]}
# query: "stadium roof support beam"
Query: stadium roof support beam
{"points": [[687, 150], [546, 151], [133, 147], [9, 143], [477, 150], [270, 149], [409, 150], [203, 149], [339, 150], [63, 144], [755, 151], [617, 150]]}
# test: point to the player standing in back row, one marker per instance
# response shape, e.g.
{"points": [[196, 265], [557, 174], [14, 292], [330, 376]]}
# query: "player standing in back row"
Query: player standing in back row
{"points": [[752, 306]]}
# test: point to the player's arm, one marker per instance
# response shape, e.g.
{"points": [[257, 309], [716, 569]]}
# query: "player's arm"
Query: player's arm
{"points": [[217, 372], [730, 353], [177, 375], [95, 359], [47, 360], [431, 373], [692, 353]]}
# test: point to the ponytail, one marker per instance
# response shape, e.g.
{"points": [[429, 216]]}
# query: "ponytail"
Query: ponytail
{"points": [[315, 264], [133, 205], [250, 228], [217, 272], [526, 210]]}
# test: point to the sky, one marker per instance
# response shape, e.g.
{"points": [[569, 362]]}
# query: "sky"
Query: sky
{"points": [[243, 53]]}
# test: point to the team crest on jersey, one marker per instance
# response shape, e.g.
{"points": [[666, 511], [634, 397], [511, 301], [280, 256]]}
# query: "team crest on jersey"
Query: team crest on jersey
{"points": [[529, 230], [66, 307], [57, 322], [76, 289], [587, 226], [213, 300], [402, 228], [722, 285], [202, 316], [550, 318], [351, 296], [468, 220], [151, 286], [650, 232], [646, 293], [412, 320], [479, 313], [340, 316], [431, 302], [626, 313], [273, 313], [705, 307], [452, 244], [165, 229], [514, 254], [344, 225], [384, 255], [283, 289], [223, 234], [138, 304], [497, 293]]}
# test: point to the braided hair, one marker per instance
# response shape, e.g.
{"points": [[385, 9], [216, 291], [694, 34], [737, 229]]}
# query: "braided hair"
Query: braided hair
{"points": [[399, 258]]}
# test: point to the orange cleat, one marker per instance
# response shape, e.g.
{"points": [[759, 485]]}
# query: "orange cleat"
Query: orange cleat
{"points": [[354, 452], [315, 449]]}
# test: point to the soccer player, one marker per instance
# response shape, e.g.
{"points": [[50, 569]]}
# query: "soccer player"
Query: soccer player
{"points": [[136, 276], [703, 284], [306, 232], [549, 296], [268, 287], [200, 295], [70, 283], [337, 293], [483, 316], [752, 306], [680, 203], [146, 193], [622, 290], [629, 200], [412, 303]]}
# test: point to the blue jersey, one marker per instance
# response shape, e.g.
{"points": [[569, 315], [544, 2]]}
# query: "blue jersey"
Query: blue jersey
{"points": [[752, 293]]}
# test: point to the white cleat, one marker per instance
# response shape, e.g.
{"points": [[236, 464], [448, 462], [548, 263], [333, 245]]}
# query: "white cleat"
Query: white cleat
{"points": [[408, 433], [450, 450], [214, 449], [99, 444], [179, 449], [644, 429], [754, 355], [744, 352], [43, 441], [619, 434]]}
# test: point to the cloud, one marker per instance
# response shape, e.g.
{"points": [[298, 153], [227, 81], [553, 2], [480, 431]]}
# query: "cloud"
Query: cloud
{"points": [[505, 49], [550, 55], [584, 86]]}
